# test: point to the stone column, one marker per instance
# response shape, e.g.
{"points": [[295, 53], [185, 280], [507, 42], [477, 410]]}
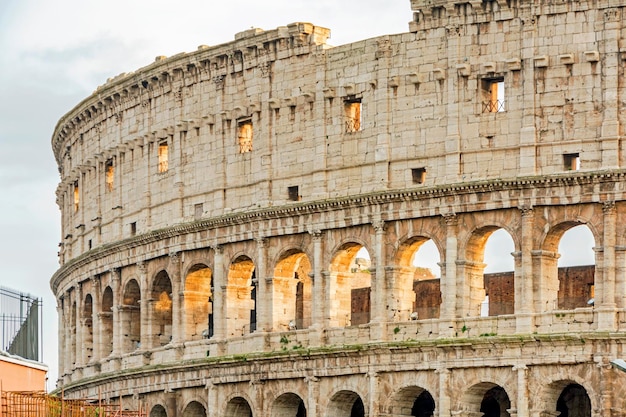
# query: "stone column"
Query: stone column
{"points": [[219, 289], [96, 353], [444, 393], [61, 347], [212, 400], [373, 378], [524, 280], [620, 276], [605, 293], [317, 309], [522, 390], [378, 286], [264, 297], [145, 338], [448, 282], [313, 395], [117, 322], [470, 288], [178, 329], [400, 293], [609, 48], [79, 360]]}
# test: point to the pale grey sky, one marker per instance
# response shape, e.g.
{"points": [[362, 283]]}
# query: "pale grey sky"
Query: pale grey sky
{"points": [[55, 53]]}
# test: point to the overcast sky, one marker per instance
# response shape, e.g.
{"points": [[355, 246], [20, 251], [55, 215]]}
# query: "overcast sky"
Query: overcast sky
{"points": [[54, 53]]}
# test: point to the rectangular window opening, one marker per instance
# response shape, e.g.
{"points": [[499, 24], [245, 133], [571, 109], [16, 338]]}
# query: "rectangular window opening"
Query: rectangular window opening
{"points": [[493, 95], [418, 175], [163, 157], [76, 196], [352, 114], [244, 136], [133, 228], [109, 170], [294, 193], [571, 161], [198, 209]]}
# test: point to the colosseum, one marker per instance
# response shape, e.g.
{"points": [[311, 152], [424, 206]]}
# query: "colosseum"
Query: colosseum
{"points": [[241, 224]]}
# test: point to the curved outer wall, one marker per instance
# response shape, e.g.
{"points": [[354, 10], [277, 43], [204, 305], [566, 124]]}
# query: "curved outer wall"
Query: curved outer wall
{"points": [[212, 203]]}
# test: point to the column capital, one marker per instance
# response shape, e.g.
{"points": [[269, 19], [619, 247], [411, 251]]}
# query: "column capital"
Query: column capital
{"points": [[526, 210], [261, 241], [141, 265], [316, 234], [219, 249], [608, 207], [450, 218], [379, 225], [174, 257]]}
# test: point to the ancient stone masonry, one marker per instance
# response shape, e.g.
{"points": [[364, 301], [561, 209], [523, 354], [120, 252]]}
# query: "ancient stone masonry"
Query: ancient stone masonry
{"points": [[216, 205]]}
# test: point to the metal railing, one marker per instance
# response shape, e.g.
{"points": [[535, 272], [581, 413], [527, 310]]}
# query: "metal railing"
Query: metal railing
{"points": [[20, 319]]}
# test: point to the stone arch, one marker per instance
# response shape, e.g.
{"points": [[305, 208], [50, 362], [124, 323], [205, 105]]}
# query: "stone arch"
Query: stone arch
{"points": [[416, 289], [411, 401], [130, 316], [288, 405], [198, 302], [161, 309], [472, 268], [241, 297], [553, 285], [292, 291], [350, 286], [346, 404], [158, 411], [488, 398], [194, 409], [106, 322], [568, 397], [238, 407], [87, 329]]}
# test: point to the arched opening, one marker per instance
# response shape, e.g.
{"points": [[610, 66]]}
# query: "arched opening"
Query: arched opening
{"points": [[288, 404], [499, 275], [412, 401], [292, 287], [238, 407], [417, 280], [106, 323], [194, 409], [495, 403], [87, 329], [130, 317], [198, 303], [489, 285], [566, 283], [241, 297], [350, 286], [158, 411], [576, 268], [346, 404], [161, 322], [574, 402], [489, 399]]}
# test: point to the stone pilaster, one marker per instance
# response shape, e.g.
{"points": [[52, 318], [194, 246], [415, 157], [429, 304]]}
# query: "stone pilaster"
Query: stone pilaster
{"points": [[116, 288], [378, 285], [605, 283], [444, 392], [265, 295], [219, 287], [449, 280], [95, 319], [79, 360], [522, 390], [175, 271], [524, 279], [144, 312]]}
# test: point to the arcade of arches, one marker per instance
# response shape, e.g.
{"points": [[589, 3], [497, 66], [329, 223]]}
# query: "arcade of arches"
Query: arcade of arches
{"points": [[345, 286]]}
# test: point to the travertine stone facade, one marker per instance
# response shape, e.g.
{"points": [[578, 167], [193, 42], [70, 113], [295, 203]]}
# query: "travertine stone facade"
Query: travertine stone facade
{"points": [[213, 204]]}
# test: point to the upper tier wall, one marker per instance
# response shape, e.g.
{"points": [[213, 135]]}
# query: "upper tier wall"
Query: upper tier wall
{"points": [[278, 118]]}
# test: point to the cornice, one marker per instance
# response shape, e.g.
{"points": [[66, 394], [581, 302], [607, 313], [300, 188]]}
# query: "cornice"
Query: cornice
{"points": [[341, 203], [250, 48]]}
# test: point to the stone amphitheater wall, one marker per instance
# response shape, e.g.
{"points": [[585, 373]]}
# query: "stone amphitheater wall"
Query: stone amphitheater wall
{"points": [[213, 204]]}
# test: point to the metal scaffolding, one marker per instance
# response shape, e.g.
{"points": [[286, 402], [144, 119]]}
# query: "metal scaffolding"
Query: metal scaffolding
{"points": [[20, 330], [40, 404]]}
